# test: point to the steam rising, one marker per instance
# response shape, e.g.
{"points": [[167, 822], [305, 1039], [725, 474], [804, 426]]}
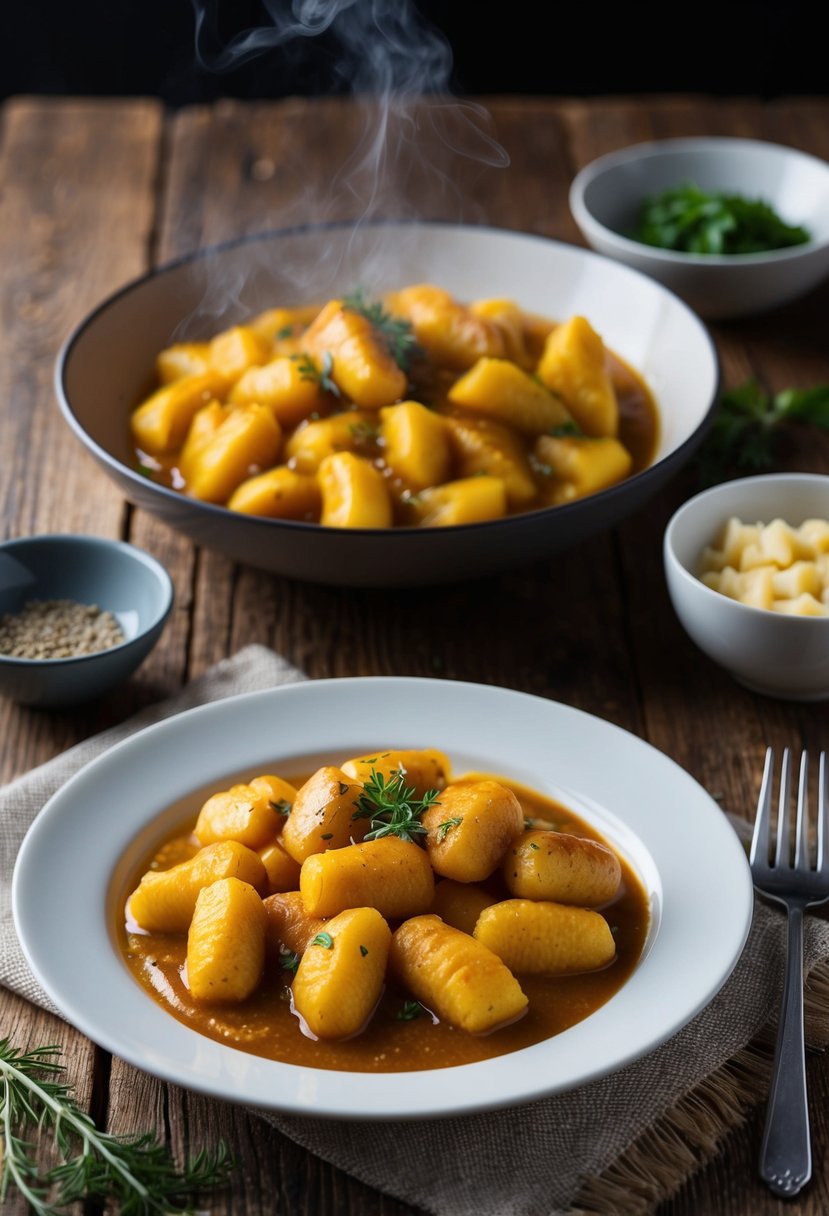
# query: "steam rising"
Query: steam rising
{"points": [[416, 150]]}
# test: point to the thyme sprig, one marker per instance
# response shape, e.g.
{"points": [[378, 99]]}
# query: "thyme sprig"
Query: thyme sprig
{"points": [[395, 332], [743, 435], [134, 1171], [321, 374], [392, 806]]}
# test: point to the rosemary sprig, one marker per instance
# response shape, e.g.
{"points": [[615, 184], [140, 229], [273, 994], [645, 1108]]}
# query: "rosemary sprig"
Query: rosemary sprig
{"points": [[395, 332], [392, 806], [743, 434], [134, 1171]]}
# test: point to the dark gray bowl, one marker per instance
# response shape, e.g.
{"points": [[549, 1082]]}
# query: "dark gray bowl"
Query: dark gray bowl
{"points": [[118, 577], [106, 368]]}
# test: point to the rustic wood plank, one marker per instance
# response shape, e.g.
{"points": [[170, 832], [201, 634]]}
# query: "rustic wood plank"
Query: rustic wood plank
{"points": [[71, 171], [27, 1027]]}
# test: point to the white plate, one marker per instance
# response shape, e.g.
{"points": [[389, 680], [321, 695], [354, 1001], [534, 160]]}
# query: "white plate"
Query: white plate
{"points": [[78, 853]]}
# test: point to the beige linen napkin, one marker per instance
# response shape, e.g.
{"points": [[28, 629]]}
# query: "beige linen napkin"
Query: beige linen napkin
{"points": [[617, 1146]]}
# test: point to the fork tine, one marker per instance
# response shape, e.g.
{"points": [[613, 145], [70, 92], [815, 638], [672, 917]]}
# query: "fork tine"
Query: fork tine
{"points": [[760, 837], [822, 817], [801, 837], [781, 856]]}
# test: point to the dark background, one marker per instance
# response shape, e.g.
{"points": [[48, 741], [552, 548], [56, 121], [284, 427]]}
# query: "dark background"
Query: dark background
{"points": [[146, 47]]}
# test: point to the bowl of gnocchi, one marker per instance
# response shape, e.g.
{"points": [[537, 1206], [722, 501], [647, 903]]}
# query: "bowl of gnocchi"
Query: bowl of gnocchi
{"points": [[747, 569], [391, 404]]}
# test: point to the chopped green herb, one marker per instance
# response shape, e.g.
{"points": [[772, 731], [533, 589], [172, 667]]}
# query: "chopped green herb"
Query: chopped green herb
{"points": [[327, 836], [364, 951], [395, 332], [567, 428], [691, 220], [323, 939], [533, 845], [364, 432], [308, 370], [410, 1011], [145, 470], [282, 807], [285, 332], [392, 806], [447, 826], [289, 962], [344, 788]]}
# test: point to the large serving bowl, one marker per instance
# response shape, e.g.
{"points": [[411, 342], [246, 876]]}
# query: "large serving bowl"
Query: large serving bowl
{"points": [[106, 368]]}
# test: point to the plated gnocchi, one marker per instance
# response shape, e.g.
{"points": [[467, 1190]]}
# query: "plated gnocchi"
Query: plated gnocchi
{"points": [[382, 914], [415, 410]]}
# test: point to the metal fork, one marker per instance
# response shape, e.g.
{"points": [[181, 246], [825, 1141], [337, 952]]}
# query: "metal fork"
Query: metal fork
{"points": [[785, 1154]]}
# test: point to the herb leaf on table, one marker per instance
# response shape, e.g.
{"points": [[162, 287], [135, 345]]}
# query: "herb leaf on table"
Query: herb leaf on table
{"points": [[134, 1170], [743, 435]]}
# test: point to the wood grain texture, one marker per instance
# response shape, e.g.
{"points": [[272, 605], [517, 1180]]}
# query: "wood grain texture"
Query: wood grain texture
{"points": [[92, 192]]}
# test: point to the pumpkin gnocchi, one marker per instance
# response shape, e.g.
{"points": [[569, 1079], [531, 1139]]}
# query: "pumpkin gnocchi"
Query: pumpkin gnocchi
{"points": [[414, 410], [383, 914]]}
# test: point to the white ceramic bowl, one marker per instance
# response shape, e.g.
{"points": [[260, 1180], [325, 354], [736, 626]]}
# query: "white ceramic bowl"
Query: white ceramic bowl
{"points": [[106, 367], [769, 652], [119, 578], [606, 195]]}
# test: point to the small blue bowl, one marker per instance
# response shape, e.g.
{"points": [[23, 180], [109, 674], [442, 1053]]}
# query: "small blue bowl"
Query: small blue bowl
{"points": [[115, 576]]}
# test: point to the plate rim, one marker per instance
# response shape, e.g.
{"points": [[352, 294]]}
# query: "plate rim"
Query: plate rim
{"points": [[326, 1093]]}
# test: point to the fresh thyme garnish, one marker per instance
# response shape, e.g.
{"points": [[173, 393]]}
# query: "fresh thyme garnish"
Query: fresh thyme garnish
{"points": [[323, 939], [410, 1011], [135, 1172], [447, 826], [395, 332], [567, 428], [282, 807], [285, 332], [392, 806], [364, 432], [308, 370], [748, 420]]}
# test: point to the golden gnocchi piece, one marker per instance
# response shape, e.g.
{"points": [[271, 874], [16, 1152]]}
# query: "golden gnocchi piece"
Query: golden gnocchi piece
{"points": [[289, 926], [245, 439], [226, 942], [563, 868], [282, 870], [322, 815], [582, 466], [279, 493], [361, 365], [354, 493], [470, 828], [447, 330], [285, 388], [341, 974], [574, 365], [164, 900], [456, 976], [468, 501], [160, 424], [243, 813], [460, 903], [544, 938], [501, 390], [392, 875], [424, 769], [416, 444]]}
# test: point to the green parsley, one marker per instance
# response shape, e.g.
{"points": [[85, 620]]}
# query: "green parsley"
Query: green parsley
{"points": [[289, 962], [409, 1011], [395, 332], [364, 951], [282, 807], [132, 1172], [571, 427], [747, 422], [308, 370], [392, 806], [323, 939], [691, 220]]}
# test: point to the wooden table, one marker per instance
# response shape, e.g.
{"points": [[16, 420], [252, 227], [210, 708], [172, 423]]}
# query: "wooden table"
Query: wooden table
{"points": [[94, 192]]}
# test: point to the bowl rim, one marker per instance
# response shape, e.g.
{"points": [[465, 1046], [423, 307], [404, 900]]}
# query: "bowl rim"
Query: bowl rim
{"points": [[102, 543], [695, 586], [672, 461], [651, 149]]}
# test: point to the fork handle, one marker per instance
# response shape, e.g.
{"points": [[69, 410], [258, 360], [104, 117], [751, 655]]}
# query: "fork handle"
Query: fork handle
{"points": [[785, 1154]]}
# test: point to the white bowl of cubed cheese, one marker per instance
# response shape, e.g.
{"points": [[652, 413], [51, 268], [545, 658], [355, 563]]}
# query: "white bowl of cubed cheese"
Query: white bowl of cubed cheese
{"points": [[747, 569]]}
